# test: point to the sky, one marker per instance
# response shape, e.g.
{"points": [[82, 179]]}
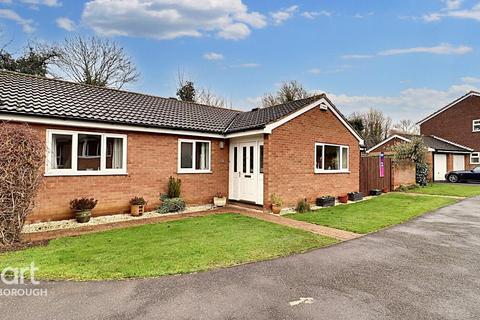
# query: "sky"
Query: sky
{"points": [[407, 58]]}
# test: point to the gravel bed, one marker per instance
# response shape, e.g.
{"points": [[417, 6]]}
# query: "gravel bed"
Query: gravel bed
{"points": [[72, 223]]}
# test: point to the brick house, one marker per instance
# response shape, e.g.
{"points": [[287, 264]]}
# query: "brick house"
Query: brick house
{"points": [[452, 135], [442, 154], [113, 145]]}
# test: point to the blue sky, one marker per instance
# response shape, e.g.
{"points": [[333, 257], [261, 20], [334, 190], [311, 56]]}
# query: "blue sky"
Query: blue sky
{"points": [[405, 57]]}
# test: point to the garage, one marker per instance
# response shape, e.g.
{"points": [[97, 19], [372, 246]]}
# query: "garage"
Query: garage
{"points": [[439, 166]]}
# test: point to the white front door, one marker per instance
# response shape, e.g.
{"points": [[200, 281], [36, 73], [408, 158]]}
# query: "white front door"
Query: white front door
{"points": [[458, 162], [246, 171], [439, 166]]}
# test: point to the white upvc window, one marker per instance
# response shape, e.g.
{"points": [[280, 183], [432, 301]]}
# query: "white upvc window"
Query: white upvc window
{"points": [[194, 156], [77, 153], [475, 158], [476, 125], [331, 158]]}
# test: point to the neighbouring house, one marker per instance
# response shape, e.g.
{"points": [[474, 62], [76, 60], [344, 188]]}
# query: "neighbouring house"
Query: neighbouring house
{"points": [[112, 145]]}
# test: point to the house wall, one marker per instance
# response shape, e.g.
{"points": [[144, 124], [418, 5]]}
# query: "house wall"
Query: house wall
{"points": [[455, 124], [289, 159], [385, 148], [151, 160]]}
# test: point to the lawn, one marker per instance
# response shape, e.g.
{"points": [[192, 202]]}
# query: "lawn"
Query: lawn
{"points": [[374, 214], [194, 244], [449, 189]]}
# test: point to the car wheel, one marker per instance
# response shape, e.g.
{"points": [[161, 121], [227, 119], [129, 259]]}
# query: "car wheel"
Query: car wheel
{"points": [[453, 178]]}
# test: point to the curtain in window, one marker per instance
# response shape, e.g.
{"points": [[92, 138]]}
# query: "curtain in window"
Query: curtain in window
{"points": [[117, 154], [53, 147]]}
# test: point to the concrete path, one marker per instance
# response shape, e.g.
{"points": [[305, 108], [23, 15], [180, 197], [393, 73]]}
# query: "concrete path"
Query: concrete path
{"points": [[321, 230], [428, 268]]}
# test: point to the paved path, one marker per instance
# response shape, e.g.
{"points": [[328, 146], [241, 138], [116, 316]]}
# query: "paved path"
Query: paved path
{"points": [[321, 230], [428, 268]]}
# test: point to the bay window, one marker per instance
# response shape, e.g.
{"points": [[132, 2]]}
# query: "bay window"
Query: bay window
{"points": [[194, 156], [85, 153], [330, 158]]}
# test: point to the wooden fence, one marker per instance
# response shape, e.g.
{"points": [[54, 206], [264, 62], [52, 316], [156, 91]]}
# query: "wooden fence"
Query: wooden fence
{"points": [[370, 174]]}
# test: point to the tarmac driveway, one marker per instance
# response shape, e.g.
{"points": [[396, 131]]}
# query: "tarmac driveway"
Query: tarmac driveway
{"points": [[428, 268]]}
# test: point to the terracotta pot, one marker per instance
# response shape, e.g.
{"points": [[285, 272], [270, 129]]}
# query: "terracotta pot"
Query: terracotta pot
{"points": [[343, 199], [276, 209], [136, 210], [83, 216], [384, 190], [220, 201]]}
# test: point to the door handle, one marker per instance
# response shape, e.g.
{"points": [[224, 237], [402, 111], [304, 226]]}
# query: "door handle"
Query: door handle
{"points": [[248, 176]]}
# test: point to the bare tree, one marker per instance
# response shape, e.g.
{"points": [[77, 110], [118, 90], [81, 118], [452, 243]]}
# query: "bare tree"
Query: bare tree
{"points": [[405, 126], [95, 61], [376, 126], [288, 91], [207, 97]]}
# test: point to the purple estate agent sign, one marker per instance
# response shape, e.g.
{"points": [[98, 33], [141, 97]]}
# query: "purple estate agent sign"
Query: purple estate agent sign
{"points": [[382, 165]]}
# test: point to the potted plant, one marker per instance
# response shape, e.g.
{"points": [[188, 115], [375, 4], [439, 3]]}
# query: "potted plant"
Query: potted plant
{"points": [[384, 190], [219, 200], [355, 196], [302, 206], [277, 203], [83, 208], [375, 192], [137, 206], [343, 198], [325, 201]]}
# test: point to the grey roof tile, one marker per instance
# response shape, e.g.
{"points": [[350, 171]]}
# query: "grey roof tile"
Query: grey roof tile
{"points": [[435, 143]]}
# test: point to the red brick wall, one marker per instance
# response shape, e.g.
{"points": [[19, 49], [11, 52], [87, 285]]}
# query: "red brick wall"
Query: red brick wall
{"points": [[455, 124], [152, 159], [403, 174], [289, 159], [385, 148]]}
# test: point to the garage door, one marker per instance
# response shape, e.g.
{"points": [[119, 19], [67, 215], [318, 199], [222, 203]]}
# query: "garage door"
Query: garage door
{"points": [[458, 162], [439, 166]]}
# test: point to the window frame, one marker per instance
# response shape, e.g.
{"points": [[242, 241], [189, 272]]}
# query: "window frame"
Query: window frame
{"points": [[477, 155], [475, 122], [323, 170], [49, 171], [194, 155]]}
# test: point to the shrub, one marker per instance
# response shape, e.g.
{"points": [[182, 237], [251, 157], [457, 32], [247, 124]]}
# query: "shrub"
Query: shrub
{"points": [[421, 174], [138, 201], [302, 206], [219, 195], [173, 190], [406, 187], [22, 155], [82, 204], [171, 205], [276, 200]]}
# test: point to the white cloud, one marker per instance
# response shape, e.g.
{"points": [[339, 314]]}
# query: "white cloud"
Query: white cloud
{"points": [[318, 71], [470, 80], [26, 24], [412, 103], [245, 65], [441, 49], [282, 15], [168, 19], [314, 14], [452, 10], [213, 56], [362, 16], [48, 3], [66, 24]]}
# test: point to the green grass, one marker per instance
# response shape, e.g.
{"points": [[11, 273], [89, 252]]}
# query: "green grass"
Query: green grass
{"points": [[194, 244], [449, 189], [374, 214]]}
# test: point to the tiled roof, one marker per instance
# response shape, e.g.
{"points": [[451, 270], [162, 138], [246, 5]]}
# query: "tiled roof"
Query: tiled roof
{"points": [[37, 96], [438, 144]]}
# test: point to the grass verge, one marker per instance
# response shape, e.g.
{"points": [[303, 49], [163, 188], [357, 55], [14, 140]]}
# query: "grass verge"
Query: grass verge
{"points": [[449, 189]]}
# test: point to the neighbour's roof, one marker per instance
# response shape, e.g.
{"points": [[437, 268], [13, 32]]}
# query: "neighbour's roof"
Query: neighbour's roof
{"points": [[437, 143], [37, 96]]}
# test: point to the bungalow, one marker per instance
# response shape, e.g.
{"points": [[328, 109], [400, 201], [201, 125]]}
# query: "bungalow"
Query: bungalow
{"points": [[113, 145], [443, 155]]}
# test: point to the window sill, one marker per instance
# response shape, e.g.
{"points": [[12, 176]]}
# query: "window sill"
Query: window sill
{"points": [[83, 174], [331, 171], [194, 172]]}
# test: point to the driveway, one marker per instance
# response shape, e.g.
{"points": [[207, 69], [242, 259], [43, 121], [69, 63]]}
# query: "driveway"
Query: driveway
{"points": [[428, 268]]}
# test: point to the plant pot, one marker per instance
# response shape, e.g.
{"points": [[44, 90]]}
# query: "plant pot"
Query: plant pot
{"points": [[83, 216], [375, 192], [384, 190], [276, 209], [343, 199], [355, 196], [136, 210], [325, 201], [220, 202]]}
